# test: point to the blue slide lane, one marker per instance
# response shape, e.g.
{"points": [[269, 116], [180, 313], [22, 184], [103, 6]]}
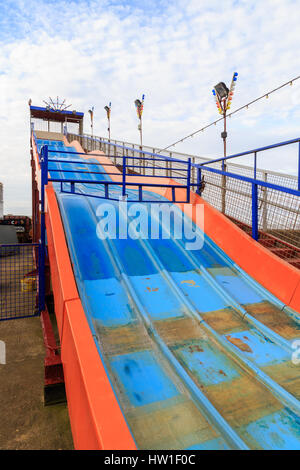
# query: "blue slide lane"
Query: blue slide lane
{"points": [[185, 335]]}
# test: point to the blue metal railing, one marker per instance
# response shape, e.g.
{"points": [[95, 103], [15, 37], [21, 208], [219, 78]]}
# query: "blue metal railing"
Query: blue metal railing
{"points": [[44, 160], [186, 183], [123, 183], [253, 181]]}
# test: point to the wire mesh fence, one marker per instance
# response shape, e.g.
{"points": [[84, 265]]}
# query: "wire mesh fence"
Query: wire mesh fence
{"points": [[278, 212], [18, 281]]}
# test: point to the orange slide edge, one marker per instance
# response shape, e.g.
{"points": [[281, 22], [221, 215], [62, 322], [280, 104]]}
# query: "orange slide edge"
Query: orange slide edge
{"points": [[97, 421]]}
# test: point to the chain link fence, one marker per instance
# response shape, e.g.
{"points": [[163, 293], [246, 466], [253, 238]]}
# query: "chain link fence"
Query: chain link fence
{"points": [[18, 281]]}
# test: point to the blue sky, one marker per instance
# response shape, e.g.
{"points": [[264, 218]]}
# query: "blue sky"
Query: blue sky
{"points": [[96, 51]]}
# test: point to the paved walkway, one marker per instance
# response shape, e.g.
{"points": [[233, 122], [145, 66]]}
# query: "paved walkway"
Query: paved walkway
{"points": [[25, 422]]}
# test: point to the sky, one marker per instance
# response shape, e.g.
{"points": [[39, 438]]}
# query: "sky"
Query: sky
{"points": [[91, 52]]}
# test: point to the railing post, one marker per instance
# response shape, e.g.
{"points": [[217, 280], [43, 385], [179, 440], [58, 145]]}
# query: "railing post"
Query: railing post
{"points": [[223, 190], [193, 170], [199, 178], [106, 190], [124, 176], [188, 182], [140, 193], [255, 164], [128, 163], [153, 169], [170, 165], [254, 212], [265, 204], [44, 181]]}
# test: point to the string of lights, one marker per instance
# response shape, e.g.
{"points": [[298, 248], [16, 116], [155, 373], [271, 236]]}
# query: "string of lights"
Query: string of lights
{"points": [[266, 95]]}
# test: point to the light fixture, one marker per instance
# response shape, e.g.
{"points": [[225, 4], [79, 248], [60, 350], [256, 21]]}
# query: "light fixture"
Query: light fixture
{"points": [[221, 90]]}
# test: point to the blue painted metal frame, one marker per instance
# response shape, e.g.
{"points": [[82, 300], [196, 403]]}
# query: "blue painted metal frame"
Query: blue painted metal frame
{"points": [[256, 150], [254, 181], [199, 167], [44, 162], [124, 183], [43, 156], [144, 152]]}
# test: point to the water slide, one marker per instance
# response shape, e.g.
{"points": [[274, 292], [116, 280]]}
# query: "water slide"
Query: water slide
{"points": [[165, 347]]}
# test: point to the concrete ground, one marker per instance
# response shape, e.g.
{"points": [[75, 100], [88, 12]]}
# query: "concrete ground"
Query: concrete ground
{"points": [[25, 423]]}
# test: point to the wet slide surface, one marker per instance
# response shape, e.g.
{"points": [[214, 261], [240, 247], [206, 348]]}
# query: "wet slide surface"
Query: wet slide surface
{"points": [[198, 354]]}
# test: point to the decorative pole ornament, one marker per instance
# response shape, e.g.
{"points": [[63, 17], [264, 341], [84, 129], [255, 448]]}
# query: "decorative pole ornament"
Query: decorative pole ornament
{"points": [[91, 111], [56, 106], [223, 97], [139, 106], [108, 112], [139, 109]]}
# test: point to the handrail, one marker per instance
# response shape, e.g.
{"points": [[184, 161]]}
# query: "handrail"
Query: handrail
{"points": [[43, 155], [247, 179], [106, 142], [255, 183], [205, 166], [184, 155], [248, 152]]}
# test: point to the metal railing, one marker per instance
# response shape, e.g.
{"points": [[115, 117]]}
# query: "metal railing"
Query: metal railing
{"points": [[143, 162], [284, 194], [278, 212]]}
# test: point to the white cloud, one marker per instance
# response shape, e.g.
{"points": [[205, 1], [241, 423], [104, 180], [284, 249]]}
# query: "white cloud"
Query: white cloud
{"points": [[93, 52]]}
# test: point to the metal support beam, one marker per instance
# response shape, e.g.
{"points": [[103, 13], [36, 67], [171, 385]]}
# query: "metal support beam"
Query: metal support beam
{"points": [[54, 386]]}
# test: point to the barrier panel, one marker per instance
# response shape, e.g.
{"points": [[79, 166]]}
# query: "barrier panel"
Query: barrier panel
{"points": [[19, 281], [145, 159]]}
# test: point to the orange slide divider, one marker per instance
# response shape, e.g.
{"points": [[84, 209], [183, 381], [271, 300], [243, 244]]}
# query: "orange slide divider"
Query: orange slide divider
{"points": [[96, 419], [273, 273]]}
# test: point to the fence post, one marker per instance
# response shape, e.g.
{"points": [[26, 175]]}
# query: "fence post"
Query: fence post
{"points": [[128, 163], [124, 176], [254, 212], [153, 169], [193, 171], [265, 204], [223, 189], [44, 181], [199, 177], [188, 182]]}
